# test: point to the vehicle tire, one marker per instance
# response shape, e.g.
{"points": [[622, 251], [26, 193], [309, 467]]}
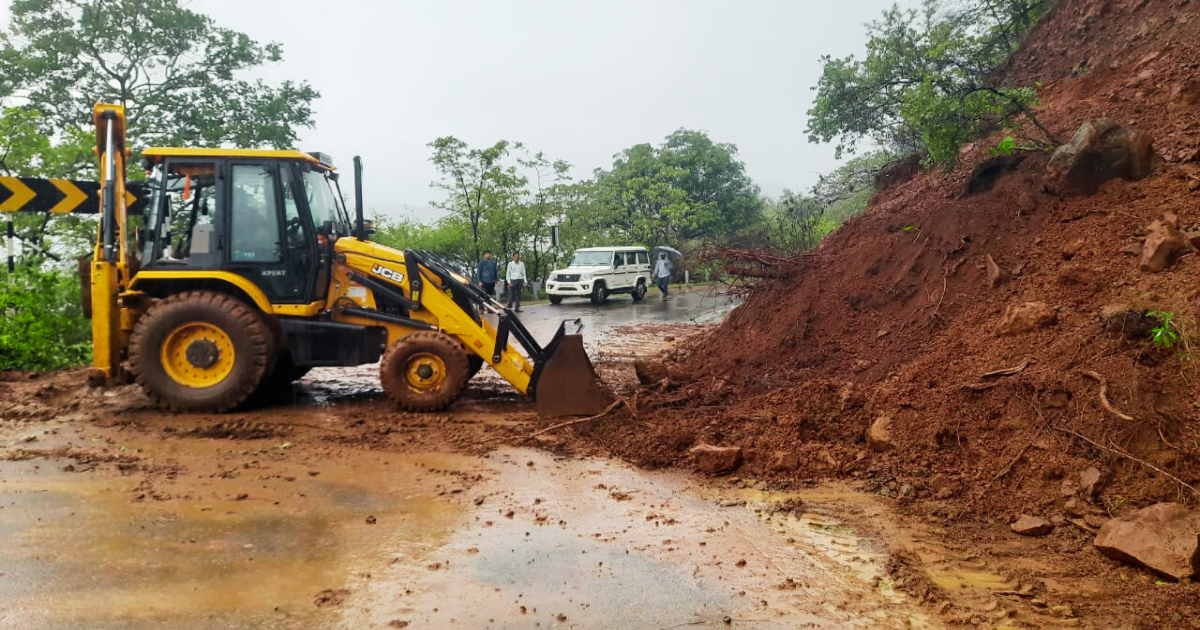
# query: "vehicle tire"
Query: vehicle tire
{"points": [[556, 299], [298, 373], [639, 291], [284, 373], [425, 371], [599, 294], [474, 364], [200, 351]]}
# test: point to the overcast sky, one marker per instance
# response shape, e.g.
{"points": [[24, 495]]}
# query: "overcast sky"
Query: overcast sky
{"points": [[577, 80]]}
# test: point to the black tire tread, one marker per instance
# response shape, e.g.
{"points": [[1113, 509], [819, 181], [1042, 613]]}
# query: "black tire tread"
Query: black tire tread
{"points": [[451, 353]]}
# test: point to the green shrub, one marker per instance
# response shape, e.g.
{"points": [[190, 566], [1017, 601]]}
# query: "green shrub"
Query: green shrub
{"points": [[42, 326]]}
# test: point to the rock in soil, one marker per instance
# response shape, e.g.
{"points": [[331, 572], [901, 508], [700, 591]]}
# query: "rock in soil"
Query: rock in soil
{"points": [[879, 436], [1131, 325], [1164, 246], [1100, 151], [714, 460], [1032, 526], [1075, 508], [1027, 317], [1164, 538], [1091, 481], [650, 372], [996, 276]]}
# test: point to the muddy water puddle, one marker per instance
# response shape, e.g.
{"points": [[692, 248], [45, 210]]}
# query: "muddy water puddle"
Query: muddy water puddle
{"points": [[516, 539]]}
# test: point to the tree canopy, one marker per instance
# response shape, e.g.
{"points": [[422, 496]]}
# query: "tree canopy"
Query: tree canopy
{"points": [[928, 82], [180, 76]]}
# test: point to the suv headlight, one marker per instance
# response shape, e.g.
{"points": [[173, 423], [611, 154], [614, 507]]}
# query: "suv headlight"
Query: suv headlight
{"points": [[586, 277]]}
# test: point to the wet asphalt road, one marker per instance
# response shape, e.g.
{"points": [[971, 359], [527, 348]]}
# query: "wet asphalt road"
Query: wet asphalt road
{"points": [[700, 306]]}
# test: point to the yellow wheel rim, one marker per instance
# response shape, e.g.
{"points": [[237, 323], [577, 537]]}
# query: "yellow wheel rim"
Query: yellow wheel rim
{"points": [[197, 354], [424, 372]]}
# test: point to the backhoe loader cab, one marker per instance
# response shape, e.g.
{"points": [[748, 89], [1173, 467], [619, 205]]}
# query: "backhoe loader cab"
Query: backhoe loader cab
{"points": [[247, 271]]}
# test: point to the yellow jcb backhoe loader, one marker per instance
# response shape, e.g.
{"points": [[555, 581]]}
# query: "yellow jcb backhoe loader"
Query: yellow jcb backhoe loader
{"points": [[247, 271]]}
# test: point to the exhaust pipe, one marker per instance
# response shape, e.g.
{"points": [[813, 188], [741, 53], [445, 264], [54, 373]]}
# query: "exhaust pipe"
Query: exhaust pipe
{"points": [[360, 229]]}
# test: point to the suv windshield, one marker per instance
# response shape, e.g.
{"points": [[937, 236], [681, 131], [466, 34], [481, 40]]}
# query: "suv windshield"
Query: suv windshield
{"points": [[591, 259], [324, 203]]}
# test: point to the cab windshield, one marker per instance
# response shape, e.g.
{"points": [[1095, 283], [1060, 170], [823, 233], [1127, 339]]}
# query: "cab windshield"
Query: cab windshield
{"points": [[592, 259], [326, 206]]}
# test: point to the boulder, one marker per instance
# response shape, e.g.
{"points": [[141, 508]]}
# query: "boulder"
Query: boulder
{"points": [[1163, 247], [1027, 317], [879, 436], [714, 460], [1164, 538], [650, 372], [1101, 150], [1032, 526]]}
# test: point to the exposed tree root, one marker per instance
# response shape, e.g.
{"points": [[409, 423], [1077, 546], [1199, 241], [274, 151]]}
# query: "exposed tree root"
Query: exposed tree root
{"points": [[554, 427], [1123, 453], [1104, 395]]}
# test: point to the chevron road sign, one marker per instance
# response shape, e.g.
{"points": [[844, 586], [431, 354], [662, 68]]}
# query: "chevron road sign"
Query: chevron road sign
{"points": [[56, 196]]}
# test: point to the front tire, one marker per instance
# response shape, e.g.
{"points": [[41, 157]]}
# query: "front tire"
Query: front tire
{"points": [[639, 292], [556, 299], [599, 294], [200, 351], [425, 371]]}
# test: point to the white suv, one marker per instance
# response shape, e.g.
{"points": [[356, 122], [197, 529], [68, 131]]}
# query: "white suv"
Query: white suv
{"points": [[598, 272]]}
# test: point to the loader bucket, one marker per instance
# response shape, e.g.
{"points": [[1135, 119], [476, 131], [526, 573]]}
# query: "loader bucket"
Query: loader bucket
{"points": [[566, 382]]}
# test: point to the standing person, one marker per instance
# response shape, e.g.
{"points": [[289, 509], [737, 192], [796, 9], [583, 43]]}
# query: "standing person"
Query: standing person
{"points": [[489, 273], [515, 276], [662, 273]]}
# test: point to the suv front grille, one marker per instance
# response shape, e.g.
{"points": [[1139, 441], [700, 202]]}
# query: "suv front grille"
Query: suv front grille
{"points": [[567, 277]]}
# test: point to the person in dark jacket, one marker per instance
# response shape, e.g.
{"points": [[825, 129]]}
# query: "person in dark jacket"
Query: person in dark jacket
{"points": [[489, 274]]}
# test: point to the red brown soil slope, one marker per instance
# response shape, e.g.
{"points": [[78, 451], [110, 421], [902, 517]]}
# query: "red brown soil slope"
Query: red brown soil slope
{"points": [[893, 313]]}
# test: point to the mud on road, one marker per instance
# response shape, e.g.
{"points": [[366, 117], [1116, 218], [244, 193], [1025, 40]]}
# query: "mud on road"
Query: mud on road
{"points": [[333, 510]]}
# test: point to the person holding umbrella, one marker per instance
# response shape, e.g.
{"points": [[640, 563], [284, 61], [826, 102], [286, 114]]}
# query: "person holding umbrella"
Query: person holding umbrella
{"points": [[662, 273]]}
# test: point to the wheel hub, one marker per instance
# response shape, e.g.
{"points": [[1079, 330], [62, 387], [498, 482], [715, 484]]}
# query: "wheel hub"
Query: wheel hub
{"points": [[202, 353], [197, 354], [424, 372]]}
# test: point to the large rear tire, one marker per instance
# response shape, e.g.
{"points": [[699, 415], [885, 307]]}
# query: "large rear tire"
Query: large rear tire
{"points": [[200, 351], [425, 371]]}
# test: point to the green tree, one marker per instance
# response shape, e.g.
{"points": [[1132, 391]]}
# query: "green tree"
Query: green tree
{"points": [[929, 80], [688, 188], [179, 75], [447, 237], [477, 182], [724, 198]]}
